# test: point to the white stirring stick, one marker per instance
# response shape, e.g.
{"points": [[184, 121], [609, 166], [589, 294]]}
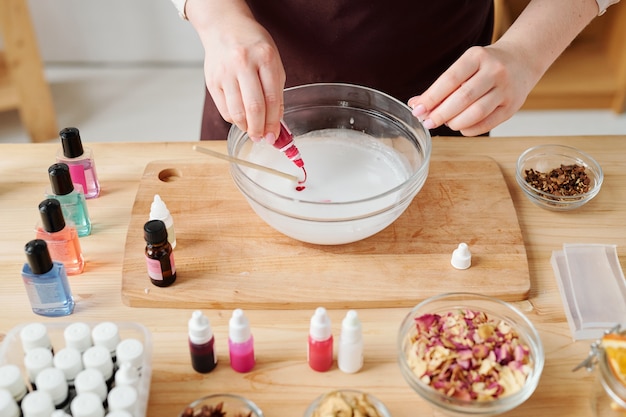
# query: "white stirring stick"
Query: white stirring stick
{"points": [[245, 163]]}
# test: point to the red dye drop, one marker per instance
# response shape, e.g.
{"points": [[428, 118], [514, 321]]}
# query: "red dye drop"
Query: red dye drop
{"points": [[301, 187]]}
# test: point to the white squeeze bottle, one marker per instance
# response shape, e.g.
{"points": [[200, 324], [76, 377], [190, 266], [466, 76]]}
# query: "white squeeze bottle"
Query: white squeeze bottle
{"points": [[350, 350], [159, 211]]}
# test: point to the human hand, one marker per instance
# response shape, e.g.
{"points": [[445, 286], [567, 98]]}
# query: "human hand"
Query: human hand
{"points": [[245, 76], [482, 89]]}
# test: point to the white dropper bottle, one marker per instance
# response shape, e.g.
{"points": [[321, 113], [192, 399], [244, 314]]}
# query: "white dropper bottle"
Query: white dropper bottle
{"points": [[350, 350], [159, 211]]}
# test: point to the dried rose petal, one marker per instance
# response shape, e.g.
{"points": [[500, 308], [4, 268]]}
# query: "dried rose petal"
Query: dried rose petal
{"points": [[466, 355]]}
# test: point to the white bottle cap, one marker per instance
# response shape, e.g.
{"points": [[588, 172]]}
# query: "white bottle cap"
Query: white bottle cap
{"points": [[91, 380], [87, 405], [106, 334], [320, 325], [123, 397], [200, 331], [461, 257], [239, 327], [158, 209], [99, 357], [351, 328], [127, 374], [36, 360], [59, 413], [78, 336], [11, 379], [69, 361], [8, 405], [130, 350], [52, 381], [35, 335], [37, 404]]}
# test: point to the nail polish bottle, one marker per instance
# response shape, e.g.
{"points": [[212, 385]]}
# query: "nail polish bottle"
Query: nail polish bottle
{"points": [[159, 255], [159, 211], [201, 343], [46, 282], [350, 349], [71, 198], [80, 161], [320, 346], [62, 238], [240, 342]]}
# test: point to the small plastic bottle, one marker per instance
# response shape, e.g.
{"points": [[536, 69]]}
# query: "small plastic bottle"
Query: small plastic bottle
{"points": [[350, 349], [35, 335], [240, 342], [159, 254], [35, 361], [46, 282], [159, 211], [87, 404], [80, 161], [320, 346], [78, 336], [52, 381], [70, 362], [201, 343], [72, 199], [127, 374], [98, 357], [62, 238], [123, 398], [37, 404], [106, 334], [90, 380], [8, 406], [11, 379], [130, 350]]}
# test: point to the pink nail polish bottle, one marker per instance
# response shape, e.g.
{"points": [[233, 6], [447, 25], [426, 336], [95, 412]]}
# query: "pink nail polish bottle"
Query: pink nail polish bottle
{"points": [[320, 347], [240, 342], [80, 161]]}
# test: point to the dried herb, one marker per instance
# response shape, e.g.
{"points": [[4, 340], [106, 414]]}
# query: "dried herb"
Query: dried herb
{"points": [[567, 180]]}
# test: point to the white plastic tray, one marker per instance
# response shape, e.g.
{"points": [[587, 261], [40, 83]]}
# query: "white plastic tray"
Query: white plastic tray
{"points": [[11, 352]]}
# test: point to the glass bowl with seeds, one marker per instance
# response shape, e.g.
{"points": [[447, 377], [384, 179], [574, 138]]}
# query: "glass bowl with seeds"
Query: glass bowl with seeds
{"points": [[347, 402], [470, 354], [222, 405], [558, 177]]}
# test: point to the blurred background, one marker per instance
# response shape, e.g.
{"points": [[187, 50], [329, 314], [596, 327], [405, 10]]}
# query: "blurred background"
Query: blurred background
{"points": [[124, 70]]}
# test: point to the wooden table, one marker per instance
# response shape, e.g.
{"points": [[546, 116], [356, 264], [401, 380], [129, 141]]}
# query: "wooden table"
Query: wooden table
{"points": [[282, 384]]}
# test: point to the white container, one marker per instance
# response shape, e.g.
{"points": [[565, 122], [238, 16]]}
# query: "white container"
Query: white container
{"points": [[159, 211], [12, 352], [350, 349]]}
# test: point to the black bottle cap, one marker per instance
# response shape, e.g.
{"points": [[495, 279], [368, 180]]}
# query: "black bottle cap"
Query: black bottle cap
{"points": [[38, 256], [52, 219], [60, 179], [154, 231], [71, 143]]}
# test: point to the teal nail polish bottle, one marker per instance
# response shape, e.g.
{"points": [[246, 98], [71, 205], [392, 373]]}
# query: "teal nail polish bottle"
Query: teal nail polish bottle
{"points": [[72, 199]]}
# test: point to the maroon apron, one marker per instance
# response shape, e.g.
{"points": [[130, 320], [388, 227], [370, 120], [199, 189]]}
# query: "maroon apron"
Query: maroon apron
{"points": [[396, 46]]}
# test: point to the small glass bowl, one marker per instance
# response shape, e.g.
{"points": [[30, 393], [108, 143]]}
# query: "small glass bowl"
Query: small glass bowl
{"points": [[496, 310], [348, 393], [545, 158], [232, 406]]}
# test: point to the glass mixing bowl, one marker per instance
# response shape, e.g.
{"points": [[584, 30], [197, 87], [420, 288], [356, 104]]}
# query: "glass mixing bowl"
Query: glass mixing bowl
{"points": [[365, 154]]}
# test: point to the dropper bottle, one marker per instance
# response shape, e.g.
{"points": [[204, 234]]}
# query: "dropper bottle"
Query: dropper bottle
{"points": [[350, 350], [320, 346], [159, 211], [240, 342], [286, 145], [201, 343]]}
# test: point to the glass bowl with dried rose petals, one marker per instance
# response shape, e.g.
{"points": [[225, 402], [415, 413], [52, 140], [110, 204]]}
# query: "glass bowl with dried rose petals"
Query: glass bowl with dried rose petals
{"points": [[469, 354], [347, 402], [222, 405], [558, 177]]}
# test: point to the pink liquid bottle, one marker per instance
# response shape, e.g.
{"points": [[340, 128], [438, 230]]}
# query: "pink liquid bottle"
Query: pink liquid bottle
{"points": [[320, 346], [240, 342], [286, 145]]}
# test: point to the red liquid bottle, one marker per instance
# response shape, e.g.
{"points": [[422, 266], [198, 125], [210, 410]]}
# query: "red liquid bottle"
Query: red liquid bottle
{"points": [[201, 343], [320, 346], [286, 145]]}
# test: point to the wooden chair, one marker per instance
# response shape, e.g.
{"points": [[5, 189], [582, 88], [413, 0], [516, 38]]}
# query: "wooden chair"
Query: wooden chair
{"points": [[22, 83]]}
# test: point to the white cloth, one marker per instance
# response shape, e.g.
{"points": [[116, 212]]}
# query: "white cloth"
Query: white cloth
{"points": [[604, 4]]}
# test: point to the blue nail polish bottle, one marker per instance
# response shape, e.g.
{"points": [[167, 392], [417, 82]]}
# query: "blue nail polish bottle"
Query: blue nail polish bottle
{"points": [[72, 199], [46, 282]]}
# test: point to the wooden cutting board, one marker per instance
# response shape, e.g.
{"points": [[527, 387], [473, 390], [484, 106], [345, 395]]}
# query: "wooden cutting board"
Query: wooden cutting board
{"points": [[227, 257]]}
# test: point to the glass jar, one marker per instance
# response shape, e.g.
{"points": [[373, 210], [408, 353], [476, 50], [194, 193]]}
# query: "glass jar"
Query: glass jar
{"points": [[609, 397]]}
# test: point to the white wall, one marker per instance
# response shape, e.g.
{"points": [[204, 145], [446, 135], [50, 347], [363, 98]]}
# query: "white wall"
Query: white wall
{"points": [[113, 31]]}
